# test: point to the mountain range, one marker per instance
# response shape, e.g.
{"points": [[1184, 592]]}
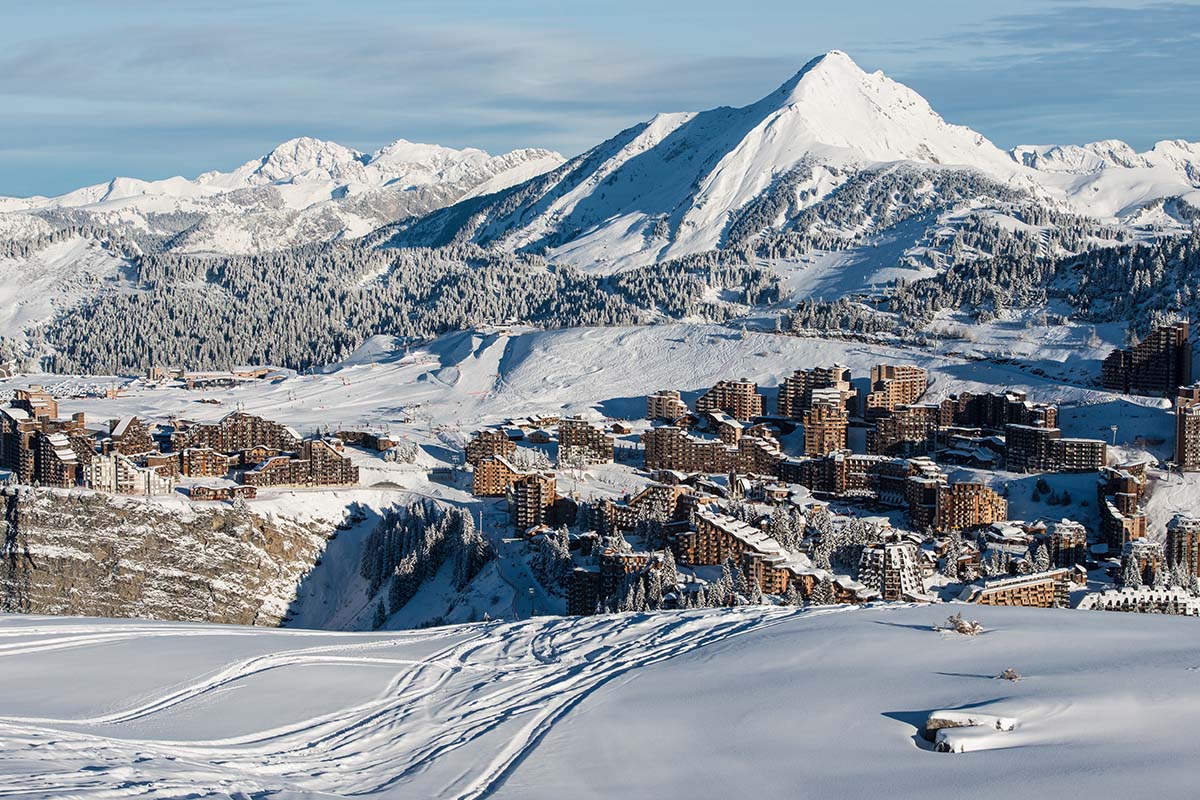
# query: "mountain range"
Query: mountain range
{"points": [[679, 183], [836, 181], [303, 191]]}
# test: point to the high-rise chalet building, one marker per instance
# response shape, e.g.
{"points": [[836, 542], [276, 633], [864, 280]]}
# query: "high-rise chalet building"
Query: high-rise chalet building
{"points": [[825, 423], [1159, 364], [795, 393], [1187, 428], [739, 399], [894, 385], [586, 441], [666, 405]]}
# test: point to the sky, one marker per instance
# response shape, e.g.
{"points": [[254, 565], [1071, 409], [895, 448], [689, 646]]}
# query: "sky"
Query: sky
{"points": [[98, 88]]}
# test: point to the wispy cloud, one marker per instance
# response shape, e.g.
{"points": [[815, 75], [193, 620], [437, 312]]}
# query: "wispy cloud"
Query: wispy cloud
{"points": [[1077, 71], [150, 89]]}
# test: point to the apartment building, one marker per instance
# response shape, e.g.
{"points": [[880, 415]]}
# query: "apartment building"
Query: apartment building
{"points": [[795, 393], [201, 492], [131, 437], [204, 462], [489, 442], [1033, 448], [739, 399], [658, 501], [37, 446], [316, 462], [671, 448], [907, 430], [1145, 555], [1187, 428], [235, 432], [894, 385], [118, 473], [718, 536], [892, 569], [1051, 589], [968, 504], [531, 497], [825, 423], [585, 443], [1158, 365], [1120, 493], [1067, 543], [1183, 543], [993, 411], [1143, 600], [666, 405]]}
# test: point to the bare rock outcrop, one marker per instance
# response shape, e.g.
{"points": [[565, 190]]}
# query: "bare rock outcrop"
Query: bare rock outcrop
{"points": [[89, 554]]}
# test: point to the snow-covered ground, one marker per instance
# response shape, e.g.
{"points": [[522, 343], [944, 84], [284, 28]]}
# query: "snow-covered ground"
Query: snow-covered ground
{"points": [[755, 701], [476, 377]]}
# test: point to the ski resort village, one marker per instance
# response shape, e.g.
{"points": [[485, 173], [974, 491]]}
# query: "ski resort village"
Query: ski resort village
{"points": [[879, 482], [812, 447]]}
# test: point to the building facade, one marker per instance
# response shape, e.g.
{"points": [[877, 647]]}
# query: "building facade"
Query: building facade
{"points": [[894, 385], [1158, 365], [739, 399], [825, 423]]}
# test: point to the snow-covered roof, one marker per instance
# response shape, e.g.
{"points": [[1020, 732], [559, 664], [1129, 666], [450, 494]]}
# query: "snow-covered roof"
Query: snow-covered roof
{"points": [[18, 414]]}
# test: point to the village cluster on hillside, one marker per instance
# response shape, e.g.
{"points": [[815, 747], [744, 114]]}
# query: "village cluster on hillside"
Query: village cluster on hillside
{"points": [[738, 502]]}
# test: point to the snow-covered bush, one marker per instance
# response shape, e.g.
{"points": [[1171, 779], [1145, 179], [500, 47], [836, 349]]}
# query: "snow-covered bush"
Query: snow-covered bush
{"points": [[403, 452], [956, 624]]}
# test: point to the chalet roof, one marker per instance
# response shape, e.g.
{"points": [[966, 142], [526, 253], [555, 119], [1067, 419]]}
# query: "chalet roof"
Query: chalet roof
{"points": [[260, 467], [122, 426], [18, 414], [62, 447]]}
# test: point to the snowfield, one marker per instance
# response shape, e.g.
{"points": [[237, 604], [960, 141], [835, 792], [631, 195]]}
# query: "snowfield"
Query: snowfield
{"points": [[755, 701]]}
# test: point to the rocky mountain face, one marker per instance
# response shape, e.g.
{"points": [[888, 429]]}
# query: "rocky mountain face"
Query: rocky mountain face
{"points": [[303, 192], [90, 554]]}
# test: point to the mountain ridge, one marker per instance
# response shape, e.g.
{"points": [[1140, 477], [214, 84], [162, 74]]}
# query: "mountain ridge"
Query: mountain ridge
{"points": [[302, 190], [676, 184]]}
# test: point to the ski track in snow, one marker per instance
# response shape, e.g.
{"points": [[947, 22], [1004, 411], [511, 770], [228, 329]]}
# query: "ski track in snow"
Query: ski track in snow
{"points": [[499, 690]]}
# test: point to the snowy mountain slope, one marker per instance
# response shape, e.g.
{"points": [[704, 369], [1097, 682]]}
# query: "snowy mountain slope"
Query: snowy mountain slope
{"points": [[683, 182], [670, 186], [33, 289], [303, 191], [706, 704]]}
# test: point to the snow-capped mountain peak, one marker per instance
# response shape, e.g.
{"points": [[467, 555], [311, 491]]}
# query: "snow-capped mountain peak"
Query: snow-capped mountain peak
{"points": [[303, 158], [676, 183], [839, 105]]}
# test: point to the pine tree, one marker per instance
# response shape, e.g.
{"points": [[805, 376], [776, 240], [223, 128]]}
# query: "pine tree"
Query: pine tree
{"points": [[1131, 575], [1160, 577], [822, 594], [953, 552], [380, 618], [1041, 558]]}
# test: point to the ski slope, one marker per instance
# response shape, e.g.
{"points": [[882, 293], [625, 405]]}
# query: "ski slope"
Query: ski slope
{"points": [[755, 701]]}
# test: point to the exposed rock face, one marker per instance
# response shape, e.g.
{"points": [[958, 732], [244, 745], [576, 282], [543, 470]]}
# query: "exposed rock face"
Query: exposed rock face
{"points": [[88, 554]]}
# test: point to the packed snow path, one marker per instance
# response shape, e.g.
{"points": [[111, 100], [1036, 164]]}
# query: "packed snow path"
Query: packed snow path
{"points": [[757, 701]]}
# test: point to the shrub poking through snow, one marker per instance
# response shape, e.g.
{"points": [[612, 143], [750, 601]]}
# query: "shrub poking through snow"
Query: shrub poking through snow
{"points": [[956, 624], [1010, 674]]}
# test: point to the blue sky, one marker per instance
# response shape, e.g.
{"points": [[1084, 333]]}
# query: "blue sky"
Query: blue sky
{"points": [[89, 90]]}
